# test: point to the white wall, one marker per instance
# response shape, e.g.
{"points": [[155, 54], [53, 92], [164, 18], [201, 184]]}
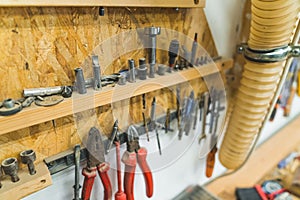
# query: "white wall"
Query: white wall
{"points": [[223, 17]]}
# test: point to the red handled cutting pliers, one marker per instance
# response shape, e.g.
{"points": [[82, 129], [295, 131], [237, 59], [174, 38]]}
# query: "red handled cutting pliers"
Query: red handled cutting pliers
{"points": [[135, 154], [96, 162]]}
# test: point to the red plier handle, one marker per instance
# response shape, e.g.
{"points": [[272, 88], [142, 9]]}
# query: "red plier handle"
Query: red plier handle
{"points": [[89, 178], [141, 158], [129, 159], [102, 171]]}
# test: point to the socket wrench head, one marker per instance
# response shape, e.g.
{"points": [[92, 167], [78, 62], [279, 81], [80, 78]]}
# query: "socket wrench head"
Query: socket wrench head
{"points": [[28, 157], [10, 167]]}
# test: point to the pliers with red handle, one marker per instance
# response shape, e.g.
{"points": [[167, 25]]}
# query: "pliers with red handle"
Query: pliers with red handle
{"points": [[96, 162], [135, 154]]}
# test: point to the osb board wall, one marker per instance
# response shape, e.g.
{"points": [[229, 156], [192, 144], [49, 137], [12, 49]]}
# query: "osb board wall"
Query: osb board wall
{"points": [[40, 47]]}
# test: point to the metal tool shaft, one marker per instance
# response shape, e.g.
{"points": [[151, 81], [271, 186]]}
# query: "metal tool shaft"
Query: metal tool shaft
{"points": [[32, 92], [97, 73], [77, 172]]}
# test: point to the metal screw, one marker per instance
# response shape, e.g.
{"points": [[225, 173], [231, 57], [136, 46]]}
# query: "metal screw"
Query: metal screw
{"points": [[10, 167], [28, 157]]}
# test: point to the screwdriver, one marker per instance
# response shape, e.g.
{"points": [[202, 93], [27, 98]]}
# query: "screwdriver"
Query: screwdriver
{"points": [[210, 161]]}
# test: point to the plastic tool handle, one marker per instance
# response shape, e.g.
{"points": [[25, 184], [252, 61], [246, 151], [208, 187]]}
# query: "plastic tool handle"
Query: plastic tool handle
{"points": [[129, 159], [89, 178], [210, 162], [102, 171], [119, 195], [141, 158]]}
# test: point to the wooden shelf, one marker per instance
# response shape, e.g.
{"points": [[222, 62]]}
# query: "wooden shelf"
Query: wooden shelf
{"points": [[35, 114], [27, 184], [110, 3]]}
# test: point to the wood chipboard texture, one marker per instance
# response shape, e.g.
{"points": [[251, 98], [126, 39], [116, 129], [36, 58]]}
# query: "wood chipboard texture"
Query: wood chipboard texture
{"points": [[40, 47]]}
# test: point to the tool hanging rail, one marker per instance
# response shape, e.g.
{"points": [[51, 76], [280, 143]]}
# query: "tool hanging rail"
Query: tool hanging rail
{"points": [[109, 3], [36, 115]]}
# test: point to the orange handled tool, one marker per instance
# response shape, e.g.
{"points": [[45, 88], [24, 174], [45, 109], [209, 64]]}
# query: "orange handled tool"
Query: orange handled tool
{"points": [[96, 162], [135, 154], [120, 195], [210, 161]]}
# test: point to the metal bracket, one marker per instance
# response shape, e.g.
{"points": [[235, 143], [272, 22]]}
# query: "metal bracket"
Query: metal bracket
{"points": [[269, 55]]}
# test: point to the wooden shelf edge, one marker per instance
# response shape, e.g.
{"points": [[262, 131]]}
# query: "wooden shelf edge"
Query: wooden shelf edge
{"points": [[109, 3], [36, 115], [27, 184], [260, 163]]}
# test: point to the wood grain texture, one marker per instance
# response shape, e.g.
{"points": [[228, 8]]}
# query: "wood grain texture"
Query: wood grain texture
{"points": [[27, 184], [113, 3], [42, 45]]}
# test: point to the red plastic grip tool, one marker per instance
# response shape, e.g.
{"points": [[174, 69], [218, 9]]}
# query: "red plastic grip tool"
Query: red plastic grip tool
{"points": [[141, 158], [89, 178], [102, 171]]}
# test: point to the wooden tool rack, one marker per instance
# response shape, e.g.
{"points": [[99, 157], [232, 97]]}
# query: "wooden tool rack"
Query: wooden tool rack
{"points": [[42, 42]]}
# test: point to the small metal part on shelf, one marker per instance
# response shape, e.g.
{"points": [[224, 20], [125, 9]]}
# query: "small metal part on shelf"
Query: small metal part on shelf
{"points": [[49, 100], [10, 107], [131, 71], [65, 91], [142, 70], [173, 52], [10, 167], [28, 101], [28, 157], [97, 73], [80, 83], [152, 32], [122, 79], [161, 69]]}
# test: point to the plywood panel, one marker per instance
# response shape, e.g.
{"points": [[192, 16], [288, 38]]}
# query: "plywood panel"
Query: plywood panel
{"points": [[40, 46]]}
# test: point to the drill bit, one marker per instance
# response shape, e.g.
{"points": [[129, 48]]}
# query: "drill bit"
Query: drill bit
{"points": [[153, 123], [194, 50]]}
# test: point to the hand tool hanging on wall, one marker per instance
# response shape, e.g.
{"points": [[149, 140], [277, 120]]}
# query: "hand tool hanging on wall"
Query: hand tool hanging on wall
{"points": [[210, 160], [144, 116], [152, 32], [189, 112], [153, 125], [204, 115], [135, 154], [119, 195], [173, 53], [274, 111], [194, 51], [10, 168], [114, 138], [178, 102], [96, 162], [10, 107], [213, 112], [167, 121], [77, 166], [27, 158], [196, 108]]}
